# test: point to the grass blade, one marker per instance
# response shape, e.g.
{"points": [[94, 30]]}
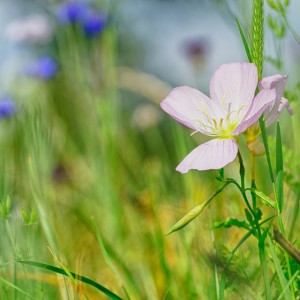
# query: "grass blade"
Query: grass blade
{"points": [[279, 169], [76, 276], [16, 288], [265, 139], [282, 279], [245, 43]]}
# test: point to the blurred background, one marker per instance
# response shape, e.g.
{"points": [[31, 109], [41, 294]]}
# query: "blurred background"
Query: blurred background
{"points": [[88, 158]]}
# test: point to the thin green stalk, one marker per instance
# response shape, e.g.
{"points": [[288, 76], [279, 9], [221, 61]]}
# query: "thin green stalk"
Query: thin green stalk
{"points": [[242, 170], [217, 287], [262, 257], [222, 283], [291, 29], [243, 192]]}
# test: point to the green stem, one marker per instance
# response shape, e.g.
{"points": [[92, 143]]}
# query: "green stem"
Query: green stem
{"points": [[242, 170], [291, 29], [262, 258], [266, 145], [243, 192]]}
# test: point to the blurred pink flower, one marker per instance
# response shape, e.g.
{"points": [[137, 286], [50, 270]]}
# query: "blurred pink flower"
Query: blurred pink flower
{"points": [[232, 108], [278, 83], [32, 29]]}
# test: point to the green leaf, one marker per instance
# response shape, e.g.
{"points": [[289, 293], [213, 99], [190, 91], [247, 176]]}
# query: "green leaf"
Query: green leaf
{"points": [[8, 204], [265, 139], [229, 222], [279, 169], [259, 213], [25, 216], [220, 176], [261, 242], [74, 275], [16, 288], [244, 40], [279, 271], [264, 263], [272, 4], [248, 216], [33, 216], [265, 199]]}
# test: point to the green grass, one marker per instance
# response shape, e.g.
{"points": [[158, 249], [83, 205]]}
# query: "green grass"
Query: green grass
{"points": [[92, 194]]}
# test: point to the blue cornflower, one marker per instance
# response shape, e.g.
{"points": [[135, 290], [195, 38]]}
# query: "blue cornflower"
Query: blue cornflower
{"points": [[44, 68], [71, 12], [7, 107], [89, 19], [93, 22]]}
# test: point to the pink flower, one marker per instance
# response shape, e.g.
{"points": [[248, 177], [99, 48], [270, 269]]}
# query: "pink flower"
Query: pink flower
{"points": [[276, 82], [232, 108]]}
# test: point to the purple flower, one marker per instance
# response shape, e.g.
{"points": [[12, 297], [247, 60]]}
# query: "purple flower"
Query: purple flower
{"points": [[71, 12], [232, 108], [93, 23], [44, 68], [90, 20], [7, 107]]}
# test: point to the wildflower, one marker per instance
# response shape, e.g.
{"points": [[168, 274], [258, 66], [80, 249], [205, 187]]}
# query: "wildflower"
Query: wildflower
{"points": [[93, 23], [32, 29], [44, 68], [278, 83], [71, 11], [7, 107], [233, 107]]}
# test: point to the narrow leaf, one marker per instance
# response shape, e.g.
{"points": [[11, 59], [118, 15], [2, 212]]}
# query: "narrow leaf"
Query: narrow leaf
{"points": [[264, 263], [248, 216], [261, 242], [280, 274], [246, 46], [265, 139], [265, 199], [16, 288], [74, 275], [279, 169]]}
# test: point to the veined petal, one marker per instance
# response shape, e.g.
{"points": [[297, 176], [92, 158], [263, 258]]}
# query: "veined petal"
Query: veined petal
{"points": [[233, 85], [188, 106], [214, 154], [278, 83], [262, 100]]}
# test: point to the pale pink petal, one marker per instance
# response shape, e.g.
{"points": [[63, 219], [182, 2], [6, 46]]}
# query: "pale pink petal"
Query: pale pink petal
{"points": [[285, 103], [188, 106], [278, 83], [214, 154], [233, 85], [262, 100]]}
